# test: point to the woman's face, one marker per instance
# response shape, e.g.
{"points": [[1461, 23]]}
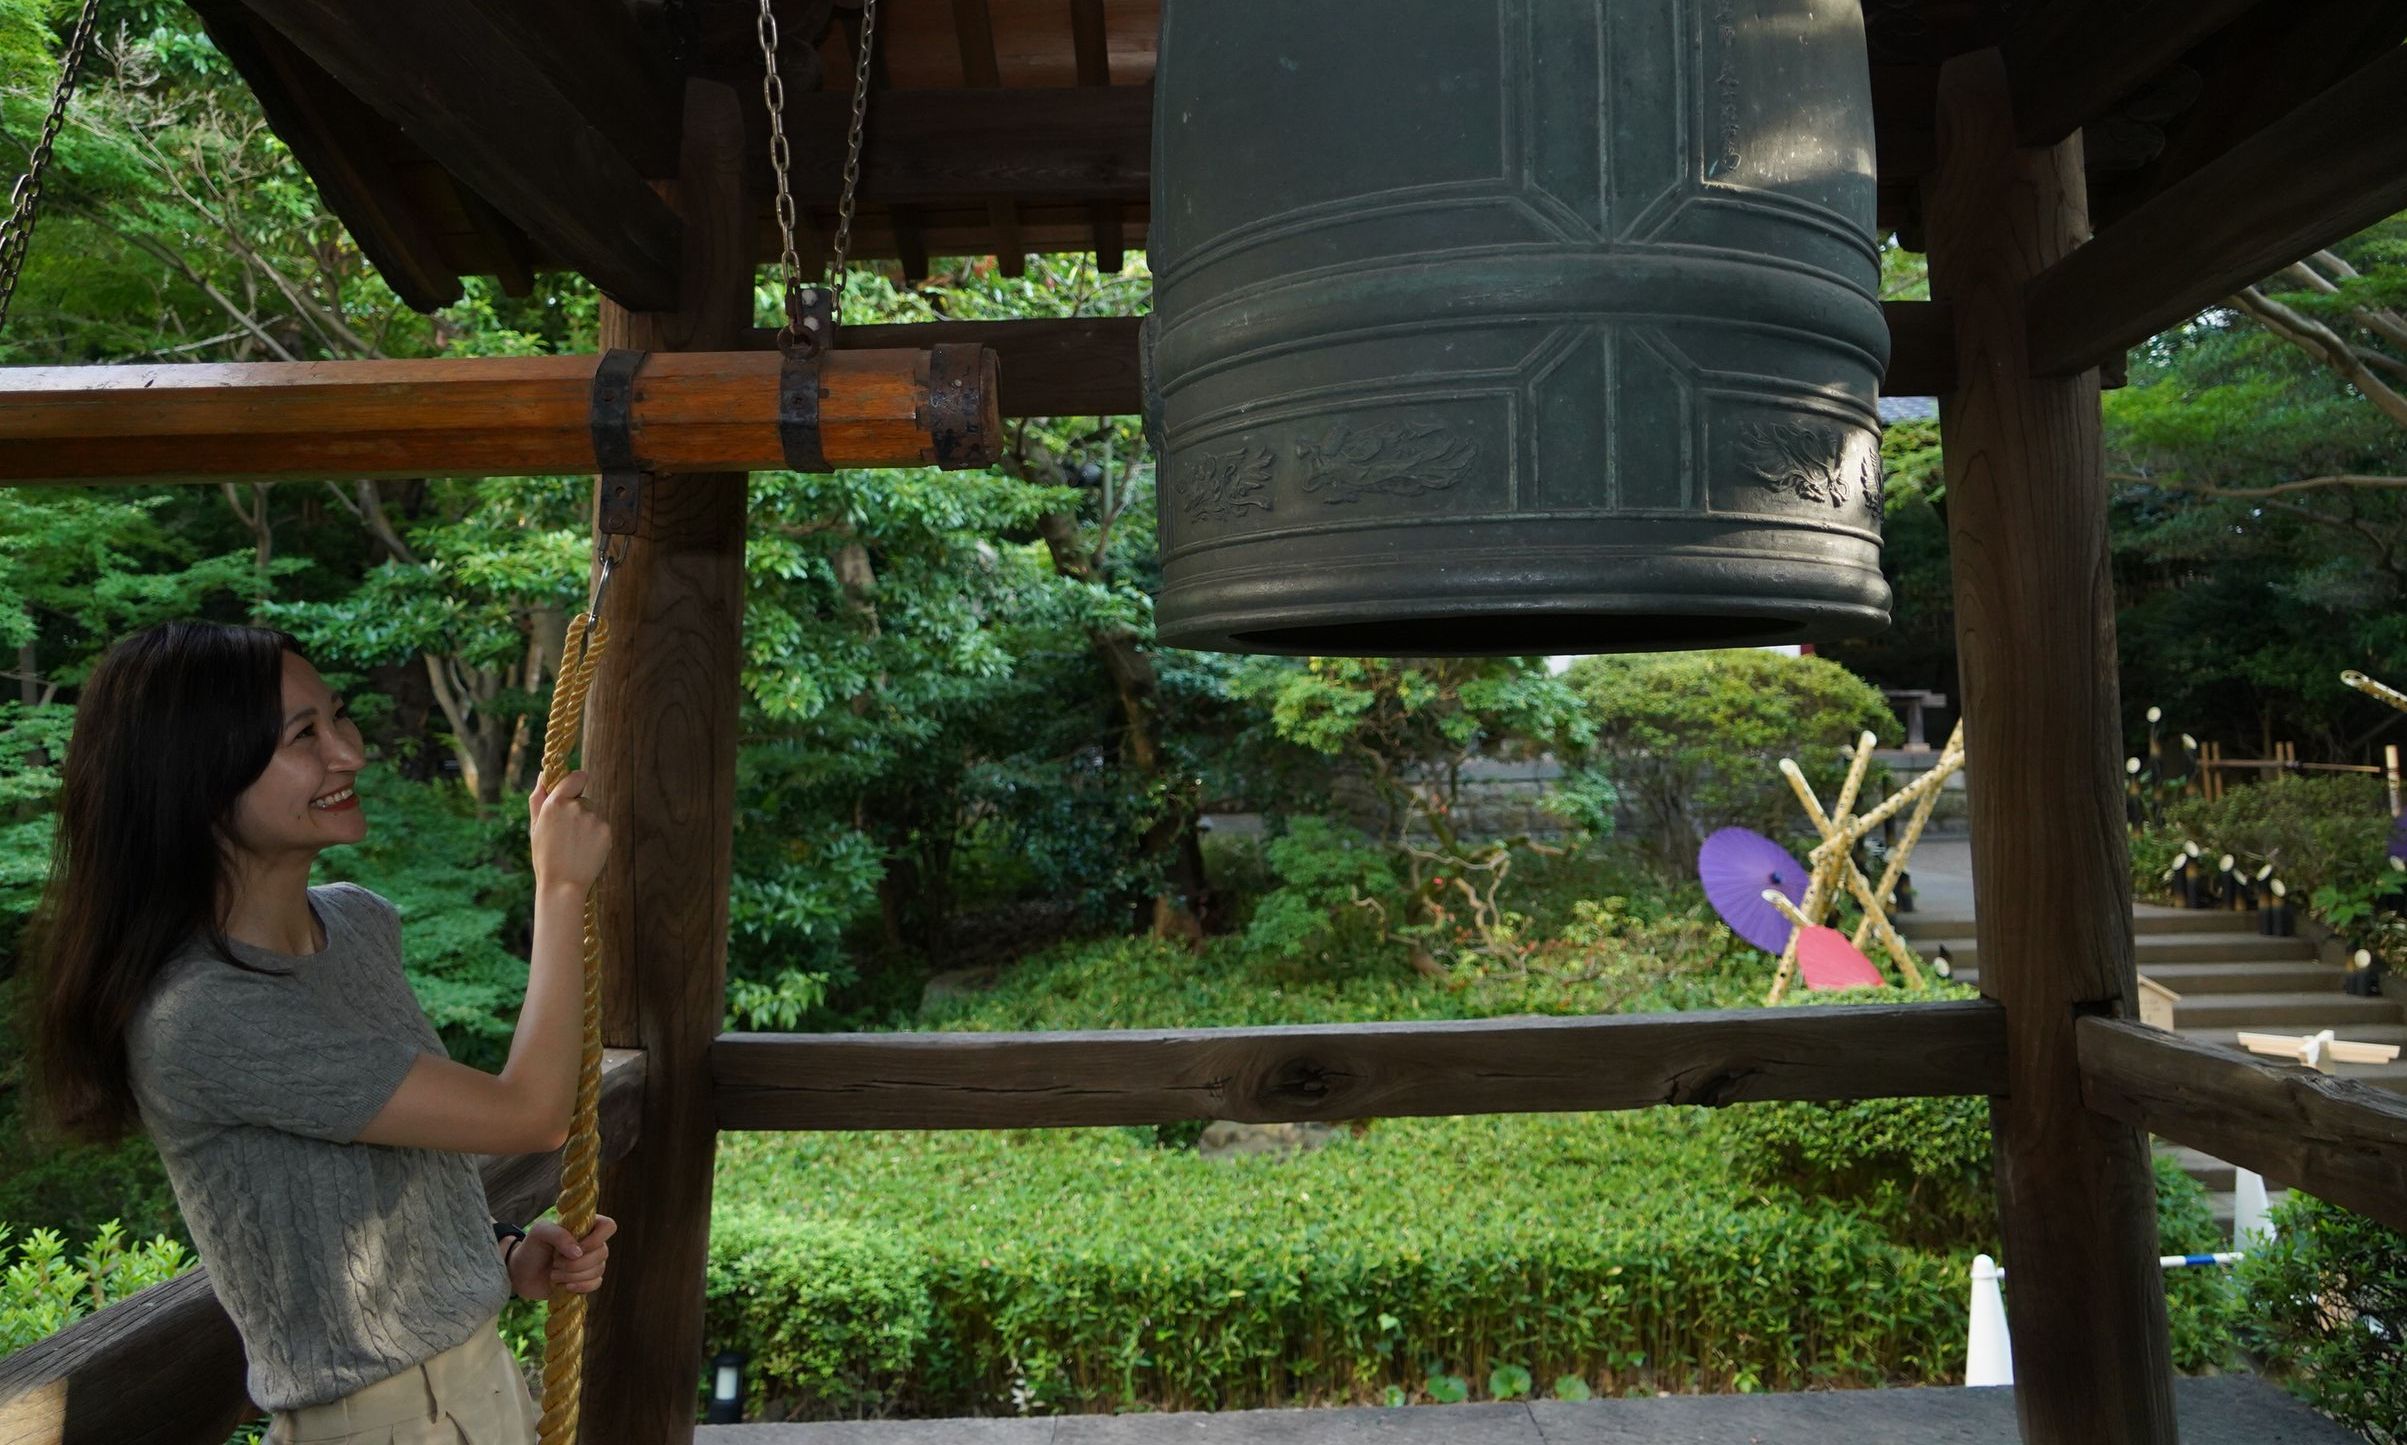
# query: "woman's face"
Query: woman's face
{"points": [[318, 755]]}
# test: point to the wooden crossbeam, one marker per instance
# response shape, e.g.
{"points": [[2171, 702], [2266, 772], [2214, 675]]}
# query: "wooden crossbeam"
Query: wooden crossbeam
{"points": [[2337, 1139], [1051, 366], [2071, 60], [2332, 167], [449, 73], [951, 147], [165, 1366], [1261, 1075], [1087, 365], [475, 416]]}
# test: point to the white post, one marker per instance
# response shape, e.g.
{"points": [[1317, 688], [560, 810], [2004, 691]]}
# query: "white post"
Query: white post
{"points": [[1988, 1353], [2251, 1226]]}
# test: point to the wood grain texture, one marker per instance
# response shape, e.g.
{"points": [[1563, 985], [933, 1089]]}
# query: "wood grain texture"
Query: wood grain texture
{"points": [[165, 1366], [448, 73], [661, 734], [448, 416], [2329, 169], [2338, 1139], [1352, 1071], [2035, 644]]}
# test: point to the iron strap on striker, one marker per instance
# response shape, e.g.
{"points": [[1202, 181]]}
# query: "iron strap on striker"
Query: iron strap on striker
{"points": [[610, 418]]}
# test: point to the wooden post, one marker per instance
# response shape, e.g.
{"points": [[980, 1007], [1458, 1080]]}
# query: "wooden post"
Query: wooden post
{"points": [[2035, 641], [2390, 775], [661, 744]]}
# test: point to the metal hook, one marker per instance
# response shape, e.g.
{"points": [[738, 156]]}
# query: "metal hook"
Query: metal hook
{"points": [[612, 554]]}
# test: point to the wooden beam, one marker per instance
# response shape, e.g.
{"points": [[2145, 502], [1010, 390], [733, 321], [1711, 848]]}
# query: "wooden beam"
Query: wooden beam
{"points": [[2332, 167], [2026, 511], [938, 147], [1352, 1071], [2337, 1139], [661, 740], [1066, 366], [165, 1366], [1087, 365], [1090, 38], [2071, 60], [448, 73], [461, 417]]}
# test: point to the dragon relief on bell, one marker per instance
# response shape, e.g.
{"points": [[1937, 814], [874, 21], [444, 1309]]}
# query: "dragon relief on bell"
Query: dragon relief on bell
{"points": [[1224, 483], [1825, 463], [1394, 459]]}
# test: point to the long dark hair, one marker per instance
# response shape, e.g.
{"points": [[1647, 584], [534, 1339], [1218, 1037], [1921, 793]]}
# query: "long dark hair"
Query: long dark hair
{"points": [[175, 722]]}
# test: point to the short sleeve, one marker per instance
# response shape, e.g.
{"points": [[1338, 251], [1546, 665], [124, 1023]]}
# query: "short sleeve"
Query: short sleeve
{"points": [[223, 1046]]}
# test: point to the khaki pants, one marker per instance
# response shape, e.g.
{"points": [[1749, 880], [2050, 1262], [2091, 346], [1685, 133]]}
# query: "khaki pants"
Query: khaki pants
{"points": [[471, 1394]]}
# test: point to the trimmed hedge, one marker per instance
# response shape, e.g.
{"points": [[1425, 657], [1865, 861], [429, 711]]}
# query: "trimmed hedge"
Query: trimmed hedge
{"points": [[1084, 1270]]}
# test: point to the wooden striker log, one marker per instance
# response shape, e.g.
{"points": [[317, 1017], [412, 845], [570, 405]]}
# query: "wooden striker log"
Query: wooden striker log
{"points": [[709, 411]]}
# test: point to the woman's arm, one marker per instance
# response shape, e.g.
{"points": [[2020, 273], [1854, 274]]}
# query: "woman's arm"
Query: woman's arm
{"points": [[443, 1104]]}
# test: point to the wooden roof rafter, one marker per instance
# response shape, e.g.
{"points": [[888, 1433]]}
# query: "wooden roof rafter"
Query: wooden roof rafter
{"points": [[455, 77]]}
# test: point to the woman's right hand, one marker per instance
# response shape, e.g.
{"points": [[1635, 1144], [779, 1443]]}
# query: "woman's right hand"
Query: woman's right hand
{"points": [[569, 840]]}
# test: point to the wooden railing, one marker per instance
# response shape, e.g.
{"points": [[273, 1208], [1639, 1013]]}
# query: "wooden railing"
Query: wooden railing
{"points": [[165, 1367]]}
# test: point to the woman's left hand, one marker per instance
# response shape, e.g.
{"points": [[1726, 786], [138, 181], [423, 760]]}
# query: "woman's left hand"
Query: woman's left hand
{"points": [[551, 1257]]}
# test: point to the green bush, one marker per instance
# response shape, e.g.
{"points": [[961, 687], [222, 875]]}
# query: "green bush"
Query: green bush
{"points": [[1617, 1249], [2315, 831], [44, 1289], [2327, 1310], [1918, 1169], [1693, 739]]}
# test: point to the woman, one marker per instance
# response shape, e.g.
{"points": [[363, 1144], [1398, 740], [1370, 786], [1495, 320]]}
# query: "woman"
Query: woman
{"points": [[318, 1137]]}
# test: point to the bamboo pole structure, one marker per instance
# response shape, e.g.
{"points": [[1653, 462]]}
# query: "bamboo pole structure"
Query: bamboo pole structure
{"points": [[1951, 758]]}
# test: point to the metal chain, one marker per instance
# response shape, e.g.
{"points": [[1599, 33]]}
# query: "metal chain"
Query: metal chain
{"points": [[852, 150], [800, 300], [16, 232]]}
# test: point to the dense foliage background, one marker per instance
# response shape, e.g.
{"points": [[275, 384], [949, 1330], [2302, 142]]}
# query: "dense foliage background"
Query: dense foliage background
{"points": [[973, 796]]}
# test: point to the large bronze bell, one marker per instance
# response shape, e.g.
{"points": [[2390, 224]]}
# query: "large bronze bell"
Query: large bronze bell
{"points": [[1514, 326]]}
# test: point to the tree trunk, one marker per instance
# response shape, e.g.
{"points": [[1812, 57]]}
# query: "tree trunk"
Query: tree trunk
{"points": [[1171, 841]]}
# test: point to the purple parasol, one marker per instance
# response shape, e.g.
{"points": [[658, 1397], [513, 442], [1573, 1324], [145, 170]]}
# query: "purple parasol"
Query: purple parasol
{"points": [[1736, 866], [2398, 837]]}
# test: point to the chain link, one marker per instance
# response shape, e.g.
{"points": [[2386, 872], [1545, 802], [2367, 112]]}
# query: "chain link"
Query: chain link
{"points": [[852, 150], [801, 300], [16, 233]]}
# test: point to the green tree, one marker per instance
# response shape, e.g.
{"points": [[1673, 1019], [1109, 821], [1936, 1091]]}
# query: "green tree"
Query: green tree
{"points": [[1693, 739]]}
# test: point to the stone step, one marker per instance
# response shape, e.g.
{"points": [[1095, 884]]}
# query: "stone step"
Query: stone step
{"points": [[2284, 1012], [2147, 923], [2367, 1033], [2191, 979], [2155, 948]]}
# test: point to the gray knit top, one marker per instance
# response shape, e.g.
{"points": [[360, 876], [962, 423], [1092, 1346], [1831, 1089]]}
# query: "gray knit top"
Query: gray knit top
{"points": [[342, 1264]]}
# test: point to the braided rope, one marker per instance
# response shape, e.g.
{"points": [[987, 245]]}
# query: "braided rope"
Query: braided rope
{"points": [[580, 1186]]}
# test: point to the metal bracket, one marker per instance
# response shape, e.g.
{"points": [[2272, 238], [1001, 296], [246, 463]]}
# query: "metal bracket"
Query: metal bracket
{"points": [[611, 420], [798, 394]]}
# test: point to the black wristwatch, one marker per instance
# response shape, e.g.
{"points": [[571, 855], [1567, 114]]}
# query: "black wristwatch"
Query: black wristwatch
{"points": [[510, 1232]]}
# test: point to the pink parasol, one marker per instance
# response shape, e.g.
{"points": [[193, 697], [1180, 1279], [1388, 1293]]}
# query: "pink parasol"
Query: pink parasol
{"points": [[1736, 866], [1825, 959]]}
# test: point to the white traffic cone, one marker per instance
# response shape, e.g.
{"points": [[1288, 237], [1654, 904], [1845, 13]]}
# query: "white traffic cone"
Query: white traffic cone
{"points": [[2251, 1215], [1988, 1355]]}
